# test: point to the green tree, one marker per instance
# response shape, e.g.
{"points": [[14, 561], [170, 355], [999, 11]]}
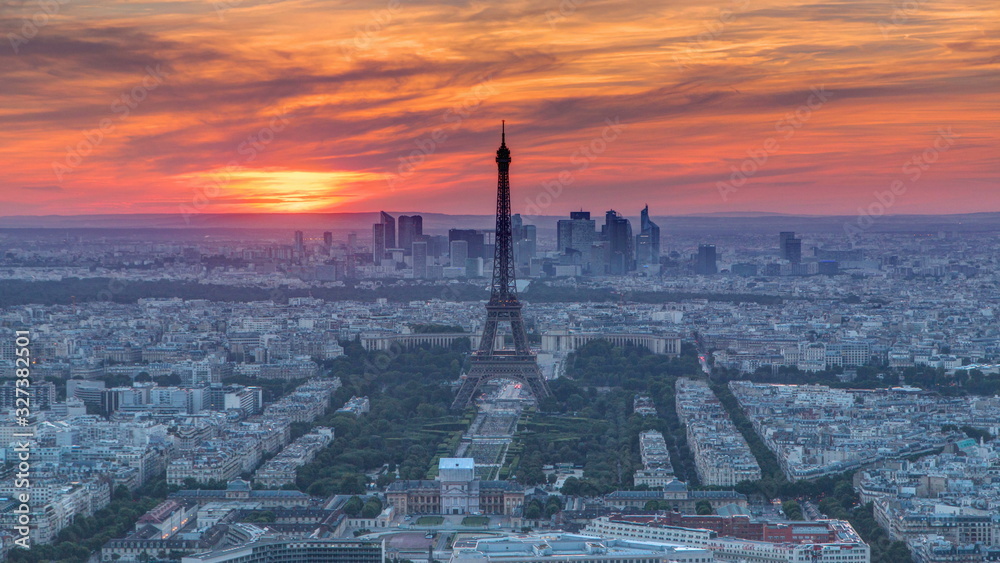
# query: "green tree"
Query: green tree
{"points": [[371, 508], [553, 504], [792, 510], [353, 506], [533, 511]]}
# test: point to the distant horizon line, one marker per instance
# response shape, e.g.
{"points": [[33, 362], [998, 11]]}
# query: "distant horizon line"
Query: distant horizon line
{"points": [[744, 214]]}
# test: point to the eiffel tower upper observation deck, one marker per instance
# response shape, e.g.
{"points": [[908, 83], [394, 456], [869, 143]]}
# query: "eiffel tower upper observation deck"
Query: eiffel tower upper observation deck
{"points": [[488, 362]]}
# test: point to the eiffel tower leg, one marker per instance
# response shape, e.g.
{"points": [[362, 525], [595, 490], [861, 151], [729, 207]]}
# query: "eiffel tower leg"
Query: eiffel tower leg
{"points": [[465, 394], [522, 369], [538, 387]]}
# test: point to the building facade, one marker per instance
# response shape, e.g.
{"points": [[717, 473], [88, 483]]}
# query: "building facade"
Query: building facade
{"points": [[297, 551], [455, 491]]}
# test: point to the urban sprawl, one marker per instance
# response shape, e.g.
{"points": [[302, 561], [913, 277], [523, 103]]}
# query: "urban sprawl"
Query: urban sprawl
{"points": [[228, 402]]}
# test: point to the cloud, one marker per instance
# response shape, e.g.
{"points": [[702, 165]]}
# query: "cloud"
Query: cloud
{"points": [[693, 90]]}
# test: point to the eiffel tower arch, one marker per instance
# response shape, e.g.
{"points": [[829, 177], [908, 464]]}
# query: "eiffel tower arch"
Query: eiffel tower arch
{"points": [[489, 362]]}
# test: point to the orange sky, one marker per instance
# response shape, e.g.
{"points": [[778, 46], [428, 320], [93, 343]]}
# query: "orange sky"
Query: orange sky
{"points": [[315, 106]]}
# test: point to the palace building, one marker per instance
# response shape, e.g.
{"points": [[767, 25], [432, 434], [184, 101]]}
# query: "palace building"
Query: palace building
{"points": [[456, 491]]}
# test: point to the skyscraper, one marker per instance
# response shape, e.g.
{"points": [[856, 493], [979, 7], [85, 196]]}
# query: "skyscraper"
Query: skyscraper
{"points": [[793, 250], [531, 238], [790, 247], [704, 264], [328, 239], [474, 238], [576, 233], [647, 242], [410, 228], [437, 245], [299, 242], [390, 229], [525, 239], [783, 237], [459, 253], [419, 259], [516, 224], [378, 242], [617, 230], [383, 236]]}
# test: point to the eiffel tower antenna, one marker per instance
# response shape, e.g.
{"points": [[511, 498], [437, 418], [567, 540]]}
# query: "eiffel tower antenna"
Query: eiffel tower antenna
{"points": [[488, 362]]}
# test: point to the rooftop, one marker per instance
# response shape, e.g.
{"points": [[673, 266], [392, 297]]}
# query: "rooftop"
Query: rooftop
{"points": [[457, 463]]}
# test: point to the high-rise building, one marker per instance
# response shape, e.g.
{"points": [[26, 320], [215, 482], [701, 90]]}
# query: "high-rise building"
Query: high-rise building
{"points": [[378, 242], [383, 236], [705, 262], [598, 259], [644, 250], [783, 237], [474, 267], [299, 242], [390, 229], [459, 253], [419, 249], [531, 237], [576, 233], [647, 242], [437, 245], [525, 239], [411, 227], [575, 238], [793, 250], [516, 226], [790, 247], [328, 239], [617, 230], [474, 238]]}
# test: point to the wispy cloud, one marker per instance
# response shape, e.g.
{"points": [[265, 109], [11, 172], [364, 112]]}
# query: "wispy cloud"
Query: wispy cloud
{"points": [[351, 117]]}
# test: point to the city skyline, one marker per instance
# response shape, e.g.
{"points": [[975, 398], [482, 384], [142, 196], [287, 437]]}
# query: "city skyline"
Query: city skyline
{"points": [[731, 292], [223, 379], [296, 106]]}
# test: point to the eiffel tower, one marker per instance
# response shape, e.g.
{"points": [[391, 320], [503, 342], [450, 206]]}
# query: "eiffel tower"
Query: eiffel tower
{"points": [[489, 363]]}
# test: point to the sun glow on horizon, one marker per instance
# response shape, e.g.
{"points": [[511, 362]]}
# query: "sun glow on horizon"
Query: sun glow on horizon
{"points": [[276, 190]]}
